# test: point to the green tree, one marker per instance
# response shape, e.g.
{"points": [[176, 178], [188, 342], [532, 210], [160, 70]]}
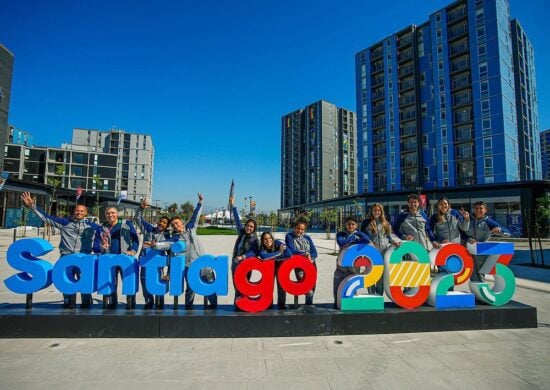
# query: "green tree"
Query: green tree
{"points": [[543, 215], [56, 182], [172, 209], [187, 210], [97, 181], [273, 220], [328, 216]]}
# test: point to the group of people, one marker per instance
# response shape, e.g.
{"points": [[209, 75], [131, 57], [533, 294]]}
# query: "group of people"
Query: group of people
{"points": [[116, 236]]}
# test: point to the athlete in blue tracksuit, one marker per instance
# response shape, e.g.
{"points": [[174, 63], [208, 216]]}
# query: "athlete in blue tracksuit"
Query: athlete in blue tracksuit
{"points": [[301, 244], [480, 229], [351, 236], [151, 235], [77, 236], [118, 237], [271, 249]]}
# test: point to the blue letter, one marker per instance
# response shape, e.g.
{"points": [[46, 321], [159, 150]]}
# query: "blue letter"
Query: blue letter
{"points": [[37, 273], [202, 287], [106, 270], [63, 277]]}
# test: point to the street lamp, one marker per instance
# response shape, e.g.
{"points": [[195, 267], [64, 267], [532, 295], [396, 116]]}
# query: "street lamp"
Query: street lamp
{"points": [[245, 198], [251, 212]]}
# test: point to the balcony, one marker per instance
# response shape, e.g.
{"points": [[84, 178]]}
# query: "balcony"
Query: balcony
{"points": [[460, 64], [457, 31], [406, 85], [456, 14], [378, 94], [406, 70], [377, 67], [458, 47], [378, 109], [406, 100], [404, 41], [376, 53]]}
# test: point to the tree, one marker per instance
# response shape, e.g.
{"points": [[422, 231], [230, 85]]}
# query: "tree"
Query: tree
{"points": [[273, 220], [187, 210], [543, 213], [56, 182], [328, 216], [172, 209], [97, 181]]}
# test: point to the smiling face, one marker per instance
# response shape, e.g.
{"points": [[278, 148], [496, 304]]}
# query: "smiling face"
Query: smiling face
{"points": [[80, 212], [413, 205], [162, 224], [267, 241], [376, 211], [351, 226], [111, 214], [480, 210], [249, 227], [177, 225], [300, 229], [443, 206]]}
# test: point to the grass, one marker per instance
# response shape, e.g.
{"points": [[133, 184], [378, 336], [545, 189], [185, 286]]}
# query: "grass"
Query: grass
{"points": [[213, 231]]}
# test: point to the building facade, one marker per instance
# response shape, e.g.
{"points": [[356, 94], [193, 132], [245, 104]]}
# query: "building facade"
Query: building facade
{"points": [[437, 103], [318, 154], [101, 163], [135, 158], [545, 153], [6, 75], [526, 104]]}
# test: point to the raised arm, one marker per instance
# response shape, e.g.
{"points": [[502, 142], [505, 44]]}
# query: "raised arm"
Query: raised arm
{"points": [[196, 214], [46, 218]]}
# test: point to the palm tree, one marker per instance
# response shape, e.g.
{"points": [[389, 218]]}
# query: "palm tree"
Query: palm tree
{"points": [[186, 210], [172, 209]]}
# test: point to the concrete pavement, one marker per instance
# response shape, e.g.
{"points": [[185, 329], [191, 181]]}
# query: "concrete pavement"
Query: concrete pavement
{"points": [[461, 359]]}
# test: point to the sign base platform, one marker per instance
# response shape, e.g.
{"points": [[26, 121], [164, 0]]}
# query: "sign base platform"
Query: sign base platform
{"points": [[52, 321]]}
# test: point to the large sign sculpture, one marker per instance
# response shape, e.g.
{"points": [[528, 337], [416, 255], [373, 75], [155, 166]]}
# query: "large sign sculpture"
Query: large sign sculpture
{"points": [[405, 272]]}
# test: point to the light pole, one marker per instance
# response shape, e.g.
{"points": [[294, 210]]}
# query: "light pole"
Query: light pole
{"points": [[245, 198], [251, 212]]}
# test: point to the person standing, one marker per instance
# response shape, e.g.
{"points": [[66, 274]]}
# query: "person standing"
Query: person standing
{"points": [[377, 227], [77, 236], [151, 235], [480, 230], [118, 237], [301, 244], [448, 223], [246, 244], [350, 236], [412, 224], [193, 249], [271, 249]]}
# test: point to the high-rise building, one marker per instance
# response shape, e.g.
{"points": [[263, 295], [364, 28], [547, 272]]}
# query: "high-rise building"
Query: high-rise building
{"points": [[6, 73], [437, 103], [135, 158], [545, 153], [526, 104], [317, 154]]}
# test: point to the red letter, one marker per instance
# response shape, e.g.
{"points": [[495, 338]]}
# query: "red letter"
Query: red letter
{"points": [[303, 286], [257, 296]]}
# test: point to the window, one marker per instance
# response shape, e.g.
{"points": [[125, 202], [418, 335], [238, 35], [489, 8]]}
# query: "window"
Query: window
{"points": [[485, 108], [484, 89], [483, 70]]}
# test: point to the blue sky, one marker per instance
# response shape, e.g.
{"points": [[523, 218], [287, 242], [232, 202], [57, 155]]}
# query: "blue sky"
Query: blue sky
{"points": [[208, 80]]}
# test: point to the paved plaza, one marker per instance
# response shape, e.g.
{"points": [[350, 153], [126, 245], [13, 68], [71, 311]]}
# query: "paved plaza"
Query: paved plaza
{"points": [[503, 359]]}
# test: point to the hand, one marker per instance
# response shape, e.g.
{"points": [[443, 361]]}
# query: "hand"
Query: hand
{"points": [[27, 199], [231, 201], [495, 230], [396, 244], [436, 245], [409, 238], [131, 253], [200, 197], [465, 214]]}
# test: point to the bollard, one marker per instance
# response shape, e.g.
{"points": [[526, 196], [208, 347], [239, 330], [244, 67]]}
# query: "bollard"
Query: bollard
{"points": [[14, 234], [175, 303], [105, 300], [205, 303], [295, 306]]}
